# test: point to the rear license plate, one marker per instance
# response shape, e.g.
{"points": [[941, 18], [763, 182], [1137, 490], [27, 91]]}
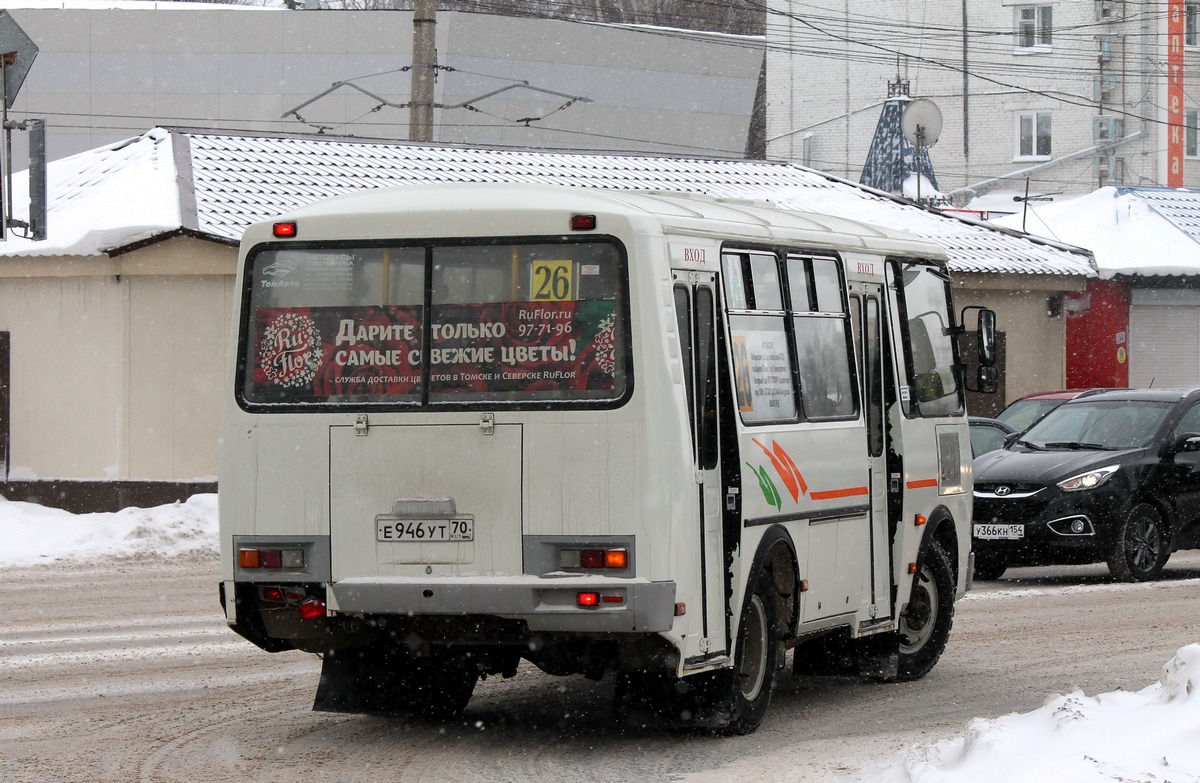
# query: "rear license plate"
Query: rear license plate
{"points": [[999, 532], [408, 530]]}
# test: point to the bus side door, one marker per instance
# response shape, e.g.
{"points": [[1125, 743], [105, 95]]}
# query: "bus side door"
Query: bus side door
{"points": [[695, 311], [867, 320]]}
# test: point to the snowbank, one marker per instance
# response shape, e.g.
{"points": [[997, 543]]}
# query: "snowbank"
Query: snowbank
{"points": [[34, 534], [1151, 736]]}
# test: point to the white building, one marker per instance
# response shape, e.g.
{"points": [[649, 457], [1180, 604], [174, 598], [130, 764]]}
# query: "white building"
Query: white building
{"points": [[1071, 95]]}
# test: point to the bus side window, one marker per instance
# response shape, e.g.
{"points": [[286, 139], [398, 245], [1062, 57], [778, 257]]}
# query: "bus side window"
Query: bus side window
{"points": [[683, 324], [762, 361], [823, 341]]}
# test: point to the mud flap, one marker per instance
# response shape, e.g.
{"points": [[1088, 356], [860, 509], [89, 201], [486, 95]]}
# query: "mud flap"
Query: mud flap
{"points": [[353, 680]]}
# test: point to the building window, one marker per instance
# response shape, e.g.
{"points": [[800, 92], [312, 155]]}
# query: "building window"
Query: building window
{"points": [[1191, 136], [1033, 135], [1034, 26], [1191, 20]]}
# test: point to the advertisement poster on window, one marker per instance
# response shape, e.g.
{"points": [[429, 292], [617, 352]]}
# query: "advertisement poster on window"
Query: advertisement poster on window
{"points": [[524, 347], [763, 375], [313, 354]]}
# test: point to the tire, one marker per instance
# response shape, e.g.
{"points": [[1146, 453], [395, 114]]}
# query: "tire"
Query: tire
{"points": [[1141, 546], [989, 566], [926, 621], [734, 701]]}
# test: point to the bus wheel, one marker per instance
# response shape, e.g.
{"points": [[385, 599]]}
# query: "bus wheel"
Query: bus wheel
{"points": [[925, 623], [746, 688]]}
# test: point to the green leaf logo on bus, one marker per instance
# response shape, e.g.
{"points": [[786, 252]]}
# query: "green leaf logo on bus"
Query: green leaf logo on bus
{"points": [[787, 471], [767, 486]]}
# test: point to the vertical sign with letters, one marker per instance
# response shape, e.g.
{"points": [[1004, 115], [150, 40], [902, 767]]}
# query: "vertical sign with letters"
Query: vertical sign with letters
{"points": [[1175, 12]]}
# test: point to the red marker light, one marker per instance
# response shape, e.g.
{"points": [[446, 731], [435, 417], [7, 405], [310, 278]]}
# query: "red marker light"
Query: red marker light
{"points": [[583, 222], [587, 599], [273, 594], [284, 230], [312, 609]]}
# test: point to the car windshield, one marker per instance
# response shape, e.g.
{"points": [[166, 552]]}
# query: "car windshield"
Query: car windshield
{"points": [[1022, 413], [1110, 424]]}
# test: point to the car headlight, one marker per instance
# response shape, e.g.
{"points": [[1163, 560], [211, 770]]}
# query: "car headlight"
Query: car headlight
{"points": [[1089, 480]]}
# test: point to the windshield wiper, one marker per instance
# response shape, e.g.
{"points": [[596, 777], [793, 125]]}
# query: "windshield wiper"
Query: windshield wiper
{"points": [[1029, 445], [1077, 446]]}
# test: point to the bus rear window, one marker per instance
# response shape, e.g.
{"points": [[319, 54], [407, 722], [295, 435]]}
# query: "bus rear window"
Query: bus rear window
{"points": [[538, 322]]}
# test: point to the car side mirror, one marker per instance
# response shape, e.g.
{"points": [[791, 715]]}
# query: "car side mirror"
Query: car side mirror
{"points": [[1187, 442]]}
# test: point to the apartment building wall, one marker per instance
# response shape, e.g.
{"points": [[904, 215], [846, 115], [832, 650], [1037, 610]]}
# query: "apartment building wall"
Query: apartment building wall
{"points": [[829, 64]]}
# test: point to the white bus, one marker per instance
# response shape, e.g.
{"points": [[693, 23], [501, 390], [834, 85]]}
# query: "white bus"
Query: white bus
{"points": [[660, 436]]}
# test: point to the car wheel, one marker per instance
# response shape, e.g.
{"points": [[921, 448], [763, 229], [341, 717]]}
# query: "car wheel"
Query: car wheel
{"points": [[989, 566], [925, 623], [1141, 547]]}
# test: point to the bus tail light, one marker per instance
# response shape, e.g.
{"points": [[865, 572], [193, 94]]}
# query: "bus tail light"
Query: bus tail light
{"points": [[589, 599], [312, 609], [279, 594], [270, 558], [593, 558], [284, 230]]}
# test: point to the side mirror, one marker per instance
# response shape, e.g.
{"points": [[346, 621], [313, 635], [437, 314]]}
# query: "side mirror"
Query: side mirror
{"points": [[1187, 442], [987, 380], [986, 334]]}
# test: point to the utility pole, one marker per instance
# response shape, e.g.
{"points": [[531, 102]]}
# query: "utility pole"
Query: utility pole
{"points": [[424, 70]]}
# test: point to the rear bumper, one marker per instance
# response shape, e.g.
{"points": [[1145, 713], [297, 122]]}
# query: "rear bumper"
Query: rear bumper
{"points": [[544, 603]]}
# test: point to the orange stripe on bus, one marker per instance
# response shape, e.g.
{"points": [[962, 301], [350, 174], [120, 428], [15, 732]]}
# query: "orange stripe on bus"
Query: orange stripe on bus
{"points": [[839, 493], [922, 483]]}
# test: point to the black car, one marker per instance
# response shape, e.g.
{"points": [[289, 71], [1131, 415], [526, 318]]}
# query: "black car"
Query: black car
{"points": [[1111, 477]]}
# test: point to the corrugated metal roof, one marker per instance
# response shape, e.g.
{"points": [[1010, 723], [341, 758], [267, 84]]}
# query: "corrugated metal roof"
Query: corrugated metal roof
{"points": [[240, 178], [222, 182], [1180, 206]]}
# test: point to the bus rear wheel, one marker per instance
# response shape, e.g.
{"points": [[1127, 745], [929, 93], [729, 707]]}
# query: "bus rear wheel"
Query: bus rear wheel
{"points": [[744, 692], [925, 622]]}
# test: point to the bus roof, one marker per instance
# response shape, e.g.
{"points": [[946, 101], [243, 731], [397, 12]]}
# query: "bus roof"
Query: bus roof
{"points": [[438, 209]]}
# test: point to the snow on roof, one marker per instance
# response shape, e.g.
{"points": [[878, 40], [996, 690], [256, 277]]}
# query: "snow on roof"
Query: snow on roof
{"points": [[1146, 231], [106, 199]]}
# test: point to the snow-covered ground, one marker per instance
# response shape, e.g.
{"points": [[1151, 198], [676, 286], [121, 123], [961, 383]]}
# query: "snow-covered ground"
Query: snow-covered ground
{"points": [[1148, 736]]}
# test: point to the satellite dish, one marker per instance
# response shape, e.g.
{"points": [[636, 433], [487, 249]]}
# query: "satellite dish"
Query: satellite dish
{"points": [[921, 122]]}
